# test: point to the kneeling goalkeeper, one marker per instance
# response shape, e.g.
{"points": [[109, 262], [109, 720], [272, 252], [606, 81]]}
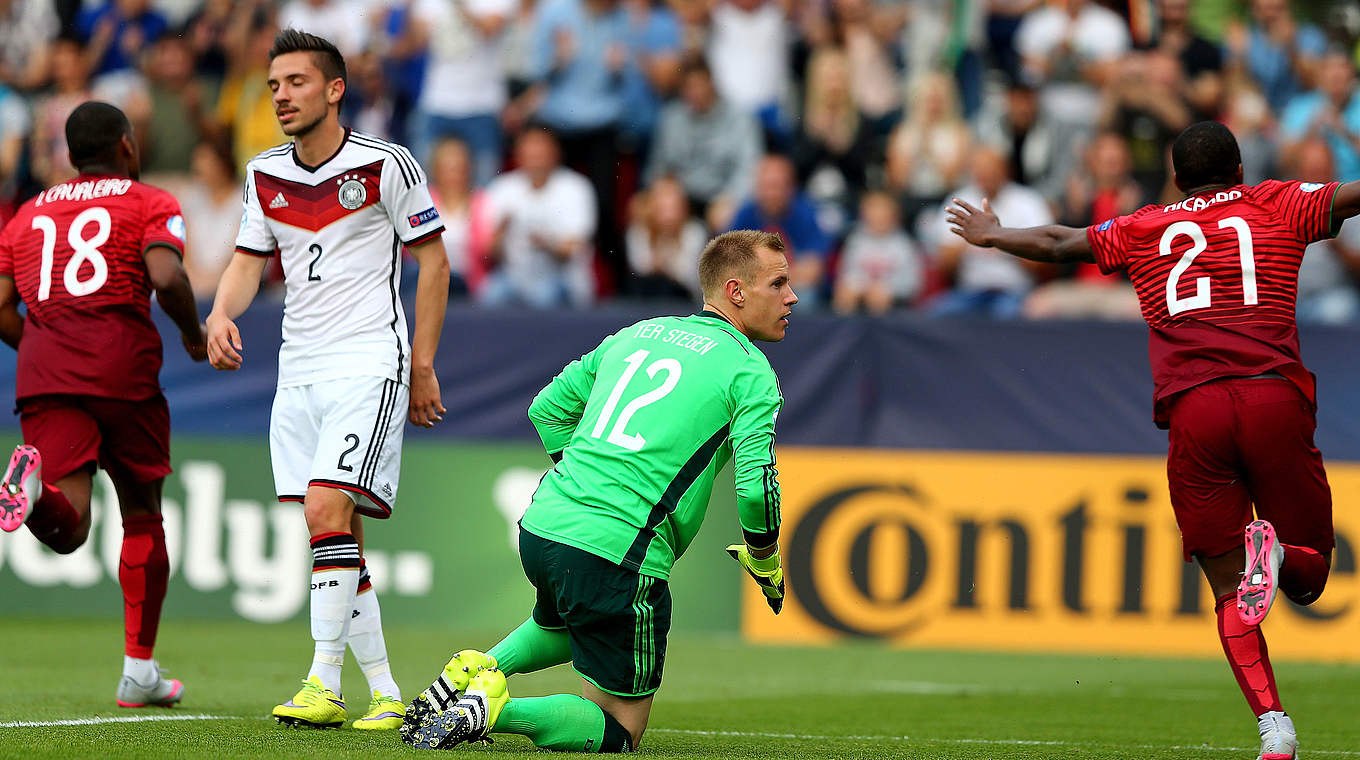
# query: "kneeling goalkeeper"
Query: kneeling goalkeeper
{"points": [[638, 429]]}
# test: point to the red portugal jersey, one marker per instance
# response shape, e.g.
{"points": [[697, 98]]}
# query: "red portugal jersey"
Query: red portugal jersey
{"points": [[75, 251], [1216, 276]]}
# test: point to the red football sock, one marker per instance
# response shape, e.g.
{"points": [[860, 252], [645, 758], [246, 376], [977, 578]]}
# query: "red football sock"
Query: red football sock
{"points": [[1245, 648], [53, 519], [143, 573], [1303, 574]]}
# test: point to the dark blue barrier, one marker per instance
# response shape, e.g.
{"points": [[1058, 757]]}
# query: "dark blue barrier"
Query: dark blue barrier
{"points": [[900, 382]]}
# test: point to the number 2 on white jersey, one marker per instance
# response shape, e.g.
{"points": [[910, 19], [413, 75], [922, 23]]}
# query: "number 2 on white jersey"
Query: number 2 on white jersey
{"points": [[1201, 299], [85, 249], [617, 436]]}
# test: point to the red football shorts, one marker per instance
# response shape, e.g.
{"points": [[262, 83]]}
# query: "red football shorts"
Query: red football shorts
{"points": [[72, 432], [1238, 442]]}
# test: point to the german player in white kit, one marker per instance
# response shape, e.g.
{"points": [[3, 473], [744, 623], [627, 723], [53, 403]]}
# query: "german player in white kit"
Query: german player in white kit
{"points": [[338, 206]]}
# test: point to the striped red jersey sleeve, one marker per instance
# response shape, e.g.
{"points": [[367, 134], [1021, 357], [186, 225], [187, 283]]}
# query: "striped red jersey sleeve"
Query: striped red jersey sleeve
{"points": [[1303, 207], [1107, 243], [164, 221]]}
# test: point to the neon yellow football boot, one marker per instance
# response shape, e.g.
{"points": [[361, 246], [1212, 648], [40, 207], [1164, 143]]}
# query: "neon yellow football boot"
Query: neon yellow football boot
{"points": [[446, 690], [471, 718], [384, 714], [314, 706]]}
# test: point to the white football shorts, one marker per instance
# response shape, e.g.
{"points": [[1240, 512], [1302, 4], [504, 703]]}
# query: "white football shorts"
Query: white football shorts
{"points": [[343, 434]]}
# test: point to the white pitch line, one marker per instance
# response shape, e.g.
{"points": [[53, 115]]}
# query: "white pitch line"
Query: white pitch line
{"points": [[118, 719], [990, 742]]}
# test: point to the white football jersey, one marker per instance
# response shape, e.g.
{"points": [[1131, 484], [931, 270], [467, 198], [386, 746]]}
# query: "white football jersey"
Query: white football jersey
{"points": [[339, 228]]}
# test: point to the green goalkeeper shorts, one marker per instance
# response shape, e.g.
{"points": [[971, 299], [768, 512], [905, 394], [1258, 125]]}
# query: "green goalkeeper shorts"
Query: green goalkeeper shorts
{"points": [[616, 619]]}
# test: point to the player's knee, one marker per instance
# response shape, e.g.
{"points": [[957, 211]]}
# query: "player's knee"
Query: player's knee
{"points": [[76, 539], [326, 515], [1304, 594]]}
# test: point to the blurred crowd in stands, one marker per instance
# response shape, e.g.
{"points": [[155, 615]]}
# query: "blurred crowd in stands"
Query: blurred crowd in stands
{"points": [[584, 150]]}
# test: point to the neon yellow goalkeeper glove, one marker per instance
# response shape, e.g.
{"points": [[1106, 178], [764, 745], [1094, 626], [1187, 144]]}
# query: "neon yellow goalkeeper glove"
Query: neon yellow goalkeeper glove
{"points": [[768, 573]]}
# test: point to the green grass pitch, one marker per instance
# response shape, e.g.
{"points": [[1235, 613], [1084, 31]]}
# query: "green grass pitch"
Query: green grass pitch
{"points": [[722, 698]]}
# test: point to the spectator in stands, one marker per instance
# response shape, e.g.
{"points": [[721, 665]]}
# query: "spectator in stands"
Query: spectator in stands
{"points": [[465, 213], [948, 37], [749, 47], [346, 24], [865, 32], [1201, 60], [1018, 129], [711, 147], [581, 67], [655, 46], [369, 106], [928, 152], [14, 128], [1102, 189], [1327, 274], [777, 206], [693, 18], [543, 218], [212, 204], [880, 267], [835, 144], [1247, 115], [1145, 105], [402, 42], [27, 30], [1003, 21], [1071, 50], [71, 87], [116, 32], [178, 119], [517, 61], [985, 281], [245, 106], [205, 32], [465, 79], [664, 242], [1072, 47], [1331, 113], [1278, 53]]}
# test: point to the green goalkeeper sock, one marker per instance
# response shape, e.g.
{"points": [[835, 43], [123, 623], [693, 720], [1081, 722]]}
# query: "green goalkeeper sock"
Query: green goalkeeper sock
{"points": [[531, 647], [563, 722]]}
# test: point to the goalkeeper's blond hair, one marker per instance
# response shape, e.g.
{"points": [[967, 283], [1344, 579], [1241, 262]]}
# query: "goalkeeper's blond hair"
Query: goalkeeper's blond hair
{"points": [[733, 254]]}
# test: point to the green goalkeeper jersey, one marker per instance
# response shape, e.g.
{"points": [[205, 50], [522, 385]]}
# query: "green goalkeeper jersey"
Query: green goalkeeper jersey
{"points": [[643, 424]]}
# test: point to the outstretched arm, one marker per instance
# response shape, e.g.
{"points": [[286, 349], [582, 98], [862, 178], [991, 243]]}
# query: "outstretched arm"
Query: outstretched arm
{"points": [[1051, 243]]}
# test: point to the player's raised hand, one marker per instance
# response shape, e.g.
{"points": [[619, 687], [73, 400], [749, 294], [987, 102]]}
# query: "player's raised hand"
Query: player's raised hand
{"points": [[970, 223], [426, 408], [196, 345], [224, 343]]}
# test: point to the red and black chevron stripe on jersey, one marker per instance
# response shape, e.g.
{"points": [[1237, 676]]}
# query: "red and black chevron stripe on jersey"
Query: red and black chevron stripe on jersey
{"points": [[315, 207]]}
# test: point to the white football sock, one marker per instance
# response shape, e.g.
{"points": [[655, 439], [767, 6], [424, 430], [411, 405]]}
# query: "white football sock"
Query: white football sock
{"points": [[367, 642], [335, 577], [144, 672]]}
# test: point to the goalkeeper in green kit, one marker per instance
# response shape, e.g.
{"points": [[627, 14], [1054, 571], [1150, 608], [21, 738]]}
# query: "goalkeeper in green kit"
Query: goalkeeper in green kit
{"points": [[638, 429]]}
